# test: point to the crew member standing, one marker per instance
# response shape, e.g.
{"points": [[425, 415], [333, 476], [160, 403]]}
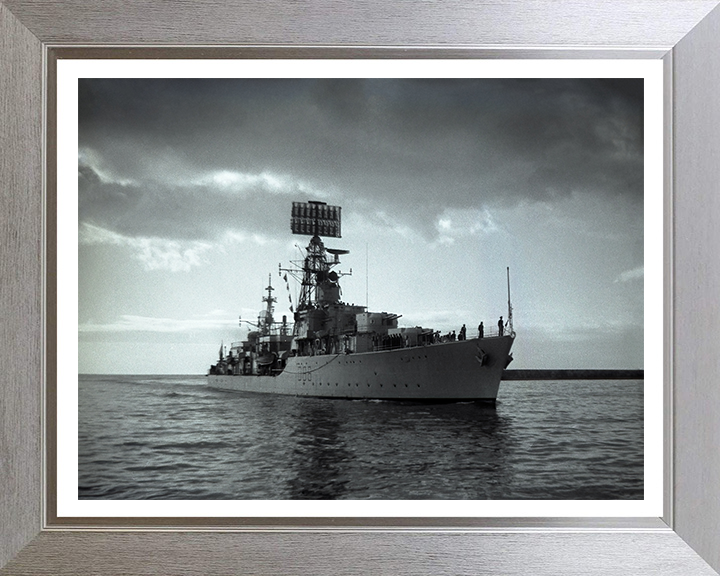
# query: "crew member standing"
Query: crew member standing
{"points": [[481, 330], [500, 326]]}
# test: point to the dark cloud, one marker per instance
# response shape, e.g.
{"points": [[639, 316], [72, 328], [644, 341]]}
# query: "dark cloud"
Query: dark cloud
{"points": [[409, 147], [191, 212]]}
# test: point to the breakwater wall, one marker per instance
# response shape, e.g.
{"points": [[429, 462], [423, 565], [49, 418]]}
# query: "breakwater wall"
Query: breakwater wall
{"points": [[582, 374]]}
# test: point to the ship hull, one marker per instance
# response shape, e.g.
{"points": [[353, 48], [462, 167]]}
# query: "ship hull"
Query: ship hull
{"points": [[461, 371]]}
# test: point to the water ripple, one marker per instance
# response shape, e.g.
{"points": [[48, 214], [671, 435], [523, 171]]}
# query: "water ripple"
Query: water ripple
{"points": [[157, 437]]}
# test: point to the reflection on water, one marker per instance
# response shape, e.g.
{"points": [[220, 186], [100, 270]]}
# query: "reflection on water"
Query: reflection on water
{"points": [[173, 438], [319, 457], [375, 448]]}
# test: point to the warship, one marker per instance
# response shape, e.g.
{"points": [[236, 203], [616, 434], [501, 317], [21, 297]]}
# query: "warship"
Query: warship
{"points": [[333, 349]]}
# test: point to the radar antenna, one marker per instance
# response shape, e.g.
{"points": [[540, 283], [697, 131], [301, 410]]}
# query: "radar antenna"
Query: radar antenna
{"points": [[319, 285]]}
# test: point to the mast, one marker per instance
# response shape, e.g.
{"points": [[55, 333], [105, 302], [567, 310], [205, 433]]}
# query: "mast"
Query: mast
{"points": [[367, 278], [510, 317], [319, 283], [315, 266], [265, 320]]}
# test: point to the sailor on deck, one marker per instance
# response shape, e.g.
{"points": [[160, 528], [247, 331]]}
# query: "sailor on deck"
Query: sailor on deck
{"points": [[500, 326]]}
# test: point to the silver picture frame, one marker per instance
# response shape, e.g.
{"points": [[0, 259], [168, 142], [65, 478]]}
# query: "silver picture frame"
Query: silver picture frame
{"points": [[685, 34]]}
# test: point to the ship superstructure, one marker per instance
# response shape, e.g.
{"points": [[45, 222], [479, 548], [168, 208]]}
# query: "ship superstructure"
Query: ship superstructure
{"points": [[340, 350]]}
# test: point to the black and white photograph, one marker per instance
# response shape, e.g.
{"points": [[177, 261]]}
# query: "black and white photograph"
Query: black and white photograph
{"points": [[361, 289]]}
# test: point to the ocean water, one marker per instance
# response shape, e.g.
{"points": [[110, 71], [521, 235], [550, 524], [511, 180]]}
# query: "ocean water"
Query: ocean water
{"points": [[171, 437]]}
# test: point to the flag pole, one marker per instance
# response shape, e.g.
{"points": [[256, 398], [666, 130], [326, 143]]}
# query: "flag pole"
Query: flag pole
{"points": [[510, 318]]}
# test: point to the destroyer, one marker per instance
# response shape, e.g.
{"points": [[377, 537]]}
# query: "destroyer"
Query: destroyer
{"points": [[339, 350]]}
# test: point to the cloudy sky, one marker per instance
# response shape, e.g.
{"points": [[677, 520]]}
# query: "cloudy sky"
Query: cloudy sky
{"points": [[186, 186]]}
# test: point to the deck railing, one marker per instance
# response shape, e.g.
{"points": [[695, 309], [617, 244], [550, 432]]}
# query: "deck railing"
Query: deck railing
{"points": [[388, 344]]}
